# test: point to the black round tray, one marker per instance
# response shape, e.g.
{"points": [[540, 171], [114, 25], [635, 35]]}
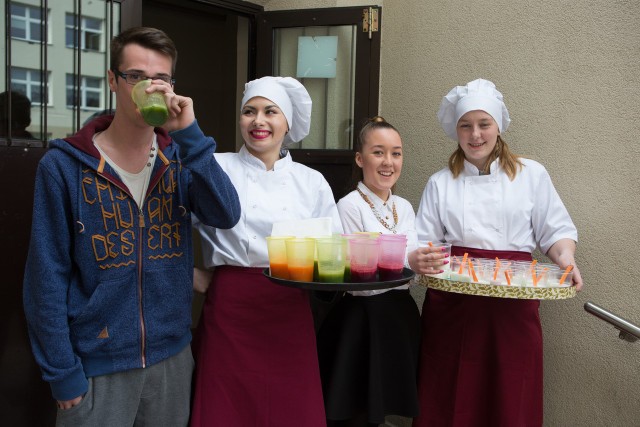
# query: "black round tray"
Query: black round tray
{"points": [[407, 275]]}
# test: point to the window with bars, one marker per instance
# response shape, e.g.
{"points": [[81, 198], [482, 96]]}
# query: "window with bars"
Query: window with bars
{"points": [[56, 54], [90, 89], [26, 22], [29, 83], [90, 32]]}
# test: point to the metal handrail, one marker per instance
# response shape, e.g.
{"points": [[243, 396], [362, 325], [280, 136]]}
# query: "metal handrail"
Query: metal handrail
{"points": [[628, 331]]}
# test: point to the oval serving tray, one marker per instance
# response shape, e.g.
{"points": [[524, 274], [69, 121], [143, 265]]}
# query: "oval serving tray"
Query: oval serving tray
{"points": [[497, 291], [407, 275]]}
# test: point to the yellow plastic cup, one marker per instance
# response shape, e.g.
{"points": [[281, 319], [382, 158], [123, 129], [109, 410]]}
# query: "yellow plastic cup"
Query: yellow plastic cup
{"points": [[300, 258], [151, 105], [277, 250], [370, 234]]}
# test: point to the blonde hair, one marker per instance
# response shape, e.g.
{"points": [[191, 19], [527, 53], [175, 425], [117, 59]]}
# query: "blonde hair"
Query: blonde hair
{"points": [[509, 162]]}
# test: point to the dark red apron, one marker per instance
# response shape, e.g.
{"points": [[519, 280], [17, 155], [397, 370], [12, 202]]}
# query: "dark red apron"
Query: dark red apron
{"points": [[481, 357], [255, 351]]}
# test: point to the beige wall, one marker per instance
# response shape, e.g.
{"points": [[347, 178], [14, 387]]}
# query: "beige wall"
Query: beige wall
{"points": [[570, 75]]}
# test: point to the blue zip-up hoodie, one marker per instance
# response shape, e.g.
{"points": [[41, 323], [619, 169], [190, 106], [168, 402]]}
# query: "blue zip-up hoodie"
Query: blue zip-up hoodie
{"points": [[108, 285]]}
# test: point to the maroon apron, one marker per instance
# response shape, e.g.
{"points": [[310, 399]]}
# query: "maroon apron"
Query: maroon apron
{"points": [[255, 351], [481, 357]]}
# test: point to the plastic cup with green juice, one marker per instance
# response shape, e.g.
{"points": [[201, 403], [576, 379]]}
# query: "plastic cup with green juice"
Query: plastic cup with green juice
{"points": [[151, 105], [331, 259]]}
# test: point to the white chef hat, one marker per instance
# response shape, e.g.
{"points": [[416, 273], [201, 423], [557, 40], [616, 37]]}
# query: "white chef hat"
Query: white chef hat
{"points": [[290, 96], [479, 94]]}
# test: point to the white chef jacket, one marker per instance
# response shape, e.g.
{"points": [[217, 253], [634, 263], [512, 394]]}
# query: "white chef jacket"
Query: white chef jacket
{"points": [[491, 212], [356, 215], [289, 191]]}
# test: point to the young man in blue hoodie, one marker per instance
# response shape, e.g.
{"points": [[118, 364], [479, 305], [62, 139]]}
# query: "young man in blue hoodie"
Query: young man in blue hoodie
{"points": [[108, 280]]}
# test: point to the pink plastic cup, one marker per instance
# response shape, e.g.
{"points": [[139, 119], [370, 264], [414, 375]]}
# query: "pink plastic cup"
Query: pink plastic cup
{"points": [[364, 259], [391, 256]]}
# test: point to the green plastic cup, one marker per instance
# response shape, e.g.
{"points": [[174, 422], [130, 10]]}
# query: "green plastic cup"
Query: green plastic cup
{"points": [[151, 105]]}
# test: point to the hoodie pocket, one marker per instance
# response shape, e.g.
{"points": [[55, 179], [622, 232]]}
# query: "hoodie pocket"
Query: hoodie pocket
{"points": [[109, 321]]}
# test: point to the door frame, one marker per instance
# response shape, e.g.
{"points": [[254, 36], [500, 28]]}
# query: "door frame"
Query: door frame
{"points": [[335, 165], [367, 82]]}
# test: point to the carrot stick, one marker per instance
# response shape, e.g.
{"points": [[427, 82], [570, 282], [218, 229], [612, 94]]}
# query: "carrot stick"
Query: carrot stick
{"points": [[472, 271], [506, 274], [430, 244], [534, 276], [464, 261], [566, 272], [496, 269]]}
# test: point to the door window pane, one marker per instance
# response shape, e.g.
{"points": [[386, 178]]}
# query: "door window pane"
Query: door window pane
{"points": [[295, 52]]}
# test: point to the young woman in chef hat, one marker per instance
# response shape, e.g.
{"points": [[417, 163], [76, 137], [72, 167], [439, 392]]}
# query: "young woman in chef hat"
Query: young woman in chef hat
{"points": [[256, 359], [481, 357]]}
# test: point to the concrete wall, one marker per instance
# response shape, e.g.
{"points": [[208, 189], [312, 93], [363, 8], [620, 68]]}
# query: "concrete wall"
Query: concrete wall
{"points": [[569, 73]]}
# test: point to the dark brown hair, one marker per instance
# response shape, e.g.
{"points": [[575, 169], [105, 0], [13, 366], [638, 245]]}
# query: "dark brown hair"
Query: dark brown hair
{"points": [[374, 123], [147, 37], [509, 162], [20, 111]]}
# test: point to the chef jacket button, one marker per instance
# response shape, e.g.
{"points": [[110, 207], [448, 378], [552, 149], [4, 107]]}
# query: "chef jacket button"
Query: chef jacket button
{"points": [[284, 209], [254, 206], [254, 237]]}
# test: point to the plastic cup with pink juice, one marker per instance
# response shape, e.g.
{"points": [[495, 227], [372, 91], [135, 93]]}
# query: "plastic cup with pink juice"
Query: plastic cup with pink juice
{"points": [[364, 259], [391, 256]]}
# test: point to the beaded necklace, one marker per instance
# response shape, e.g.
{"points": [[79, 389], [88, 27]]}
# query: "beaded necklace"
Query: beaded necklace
{"points": [[377, 214]]}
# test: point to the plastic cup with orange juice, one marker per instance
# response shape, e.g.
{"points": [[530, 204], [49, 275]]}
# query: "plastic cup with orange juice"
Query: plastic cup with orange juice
{"points": [[300, 258], [277, 250]]}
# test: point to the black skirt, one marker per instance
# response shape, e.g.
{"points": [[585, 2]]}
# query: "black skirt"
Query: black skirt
{"points": [[368, 353]]}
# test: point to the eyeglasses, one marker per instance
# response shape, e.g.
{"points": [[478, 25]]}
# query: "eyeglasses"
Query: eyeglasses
{"points": [[133, 78]]}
